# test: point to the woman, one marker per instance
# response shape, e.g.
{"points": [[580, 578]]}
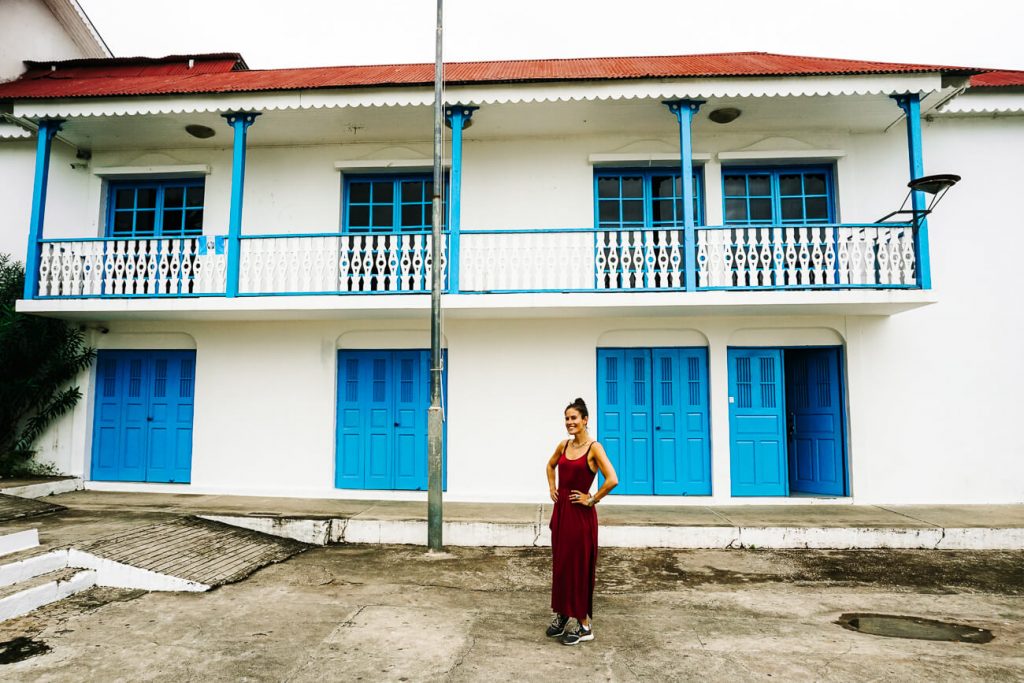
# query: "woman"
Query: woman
{"points": [[574, 525]]}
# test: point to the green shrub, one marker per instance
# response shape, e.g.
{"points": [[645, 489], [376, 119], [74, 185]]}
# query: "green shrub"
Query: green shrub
{"points": [[39, 359]]}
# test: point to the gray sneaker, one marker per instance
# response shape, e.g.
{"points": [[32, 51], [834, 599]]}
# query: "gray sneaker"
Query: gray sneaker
{"points": [[557, 627], [577, 634]]}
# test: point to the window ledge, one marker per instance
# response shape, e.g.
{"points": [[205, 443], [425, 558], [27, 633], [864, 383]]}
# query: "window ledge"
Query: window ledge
{"points": [[778, 155], [363, 165], [648, 158], [173, 171]]}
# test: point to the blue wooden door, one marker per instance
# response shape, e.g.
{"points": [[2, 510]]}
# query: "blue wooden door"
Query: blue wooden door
{"points": [[142, 429], [652, 419], [817, 462], [625, 416], [757, 423], [682, 447], [383, 398], [412, 398]]}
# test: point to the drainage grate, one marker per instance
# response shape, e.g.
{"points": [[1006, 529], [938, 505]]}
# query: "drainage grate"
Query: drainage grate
{"points": [[894, 626]]}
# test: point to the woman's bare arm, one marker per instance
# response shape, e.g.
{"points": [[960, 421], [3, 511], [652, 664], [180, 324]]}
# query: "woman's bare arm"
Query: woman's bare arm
{"points": [[550, 470], [604, 465]]}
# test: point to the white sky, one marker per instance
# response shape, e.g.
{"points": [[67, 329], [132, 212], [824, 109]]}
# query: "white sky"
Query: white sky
{"points": [[275, 33]]}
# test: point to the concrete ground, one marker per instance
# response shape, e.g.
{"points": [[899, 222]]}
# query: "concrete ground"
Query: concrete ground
{"points": [[396, 613]]}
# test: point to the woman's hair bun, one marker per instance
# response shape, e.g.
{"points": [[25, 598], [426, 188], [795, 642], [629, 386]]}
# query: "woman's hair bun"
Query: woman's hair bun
{"points": [[580, 405]]}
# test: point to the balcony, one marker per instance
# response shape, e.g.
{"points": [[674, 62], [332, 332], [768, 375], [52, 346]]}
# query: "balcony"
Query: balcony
{"points": [[781, 257]]}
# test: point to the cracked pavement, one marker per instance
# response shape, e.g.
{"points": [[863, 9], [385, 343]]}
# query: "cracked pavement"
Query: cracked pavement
{"points": [[394, 613]]}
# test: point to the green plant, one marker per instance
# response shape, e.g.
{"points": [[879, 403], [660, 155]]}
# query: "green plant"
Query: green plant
{"points": [[39, 359]]}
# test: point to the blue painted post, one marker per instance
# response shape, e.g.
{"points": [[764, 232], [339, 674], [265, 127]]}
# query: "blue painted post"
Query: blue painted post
{"points": [[240, 121], [684, 111], [47, 129], [457, 117], [910, 103]]}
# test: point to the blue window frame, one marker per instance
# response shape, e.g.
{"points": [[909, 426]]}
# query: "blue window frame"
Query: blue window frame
{"points": [[778, 195], [387, 203], [644, 198], [155, 208]]}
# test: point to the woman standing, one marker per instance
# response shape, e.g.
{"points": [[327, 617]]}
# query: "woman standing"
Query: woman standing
{"points": [[574, 525]]}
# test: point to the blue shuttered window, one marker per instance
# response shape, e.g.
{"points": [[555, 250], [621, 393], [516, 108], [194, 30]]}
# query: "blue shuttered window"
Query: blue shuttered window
{"points": [[643, 198], [155, 208], [785, 195], [387, 203]]}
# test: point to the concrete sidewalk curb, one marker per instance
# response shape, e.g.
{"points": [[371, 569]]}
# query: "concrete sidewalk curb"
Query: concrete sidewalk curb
{"points": [[512, 534]]}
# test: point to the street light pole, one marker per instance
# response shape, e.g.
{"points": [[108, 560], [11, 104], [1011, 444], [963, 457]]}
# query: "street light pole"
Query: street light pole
{"points": [[435, 415]]}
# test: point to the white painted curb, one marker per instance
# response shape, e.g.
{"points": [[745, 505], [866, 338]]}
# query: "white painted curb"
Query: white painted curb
{"points": [[49, 488], [34, 598], [312, 531], [18, 541], [510, 534]]}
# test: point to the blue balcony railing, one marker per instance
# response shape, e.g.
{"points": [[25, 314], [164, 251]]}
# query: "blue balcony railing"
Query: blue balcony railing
{"points": [[826, 257]]}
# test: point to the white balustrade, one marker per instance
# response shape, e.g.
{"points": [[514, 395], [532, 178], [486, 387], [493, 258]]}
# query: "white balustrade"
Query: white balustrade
{"points": [[825, 256], [337, 263], [734, 257], [139, 267], [526, 261]]}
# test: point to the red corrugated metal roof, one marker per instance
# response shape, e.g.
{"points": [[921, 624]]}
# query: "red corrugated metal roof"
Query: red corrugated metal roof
{"points": [[165, 76], [997, 79]]}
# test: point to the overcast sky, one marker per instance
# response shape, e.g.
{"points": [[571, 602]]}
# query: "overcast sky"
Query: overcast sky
{"points": [[272, 33]]}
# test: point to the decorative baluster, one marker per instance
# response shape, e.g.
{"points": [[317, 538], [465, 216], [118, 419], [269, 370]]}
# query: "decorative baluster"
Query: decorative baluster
{"points": [[844, 238], [62, 269], [803, 255], [54, 267], [46, 251], [828, 236], [753, 256], [636, 260], [344, 262], [792, 255], [907, 251], [719, 261], [817, 256], [485, 262], [884, 261], [601, 264], [177, 265], [88, 258], [740, 257], [120, 263]]}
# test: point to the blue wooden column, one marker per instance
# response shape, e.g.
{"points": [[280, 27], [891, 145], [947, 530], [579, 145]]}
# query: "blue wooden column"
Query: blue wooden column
{"points": [[684, 111], [47, 129], [910, 103], [240, 121], [458, 118]]}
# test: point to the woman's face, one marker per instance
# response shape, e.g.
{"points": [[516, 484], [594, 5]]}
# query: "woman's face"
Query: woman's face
{"points": [[574, 422]]}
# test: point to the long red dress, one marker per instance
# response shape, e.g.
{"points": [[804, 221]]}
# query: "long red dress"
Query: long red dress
{"points": [[573, 541]]}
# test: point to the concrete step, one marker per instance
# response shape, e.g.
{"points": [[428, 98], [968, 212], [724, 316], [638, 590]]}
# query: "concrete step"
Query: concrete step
{"points": [[16, 541], [30, 563], [31, 594]]}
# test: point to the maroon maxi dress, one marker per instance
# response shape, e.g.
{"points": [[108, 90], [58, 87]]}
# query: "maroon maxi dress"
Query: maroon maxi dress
{"points": [[573, 541]]}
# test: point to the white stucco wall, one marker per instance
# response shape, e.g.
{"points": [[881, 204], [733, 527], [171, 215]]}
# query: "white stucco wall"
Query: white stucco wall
{"points": [[29, 31], [931, 392]]}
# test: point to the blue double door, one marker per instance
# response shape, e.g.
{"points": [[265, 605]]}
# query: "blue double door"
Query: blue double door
{"points": [[383, 397], [653, 419], [142, 430], [786, 422]]}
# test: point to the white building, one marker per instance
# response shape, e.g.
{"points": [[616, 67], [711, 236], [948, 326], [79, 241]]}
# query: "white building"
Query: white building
{"points": [[777, 344]]}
